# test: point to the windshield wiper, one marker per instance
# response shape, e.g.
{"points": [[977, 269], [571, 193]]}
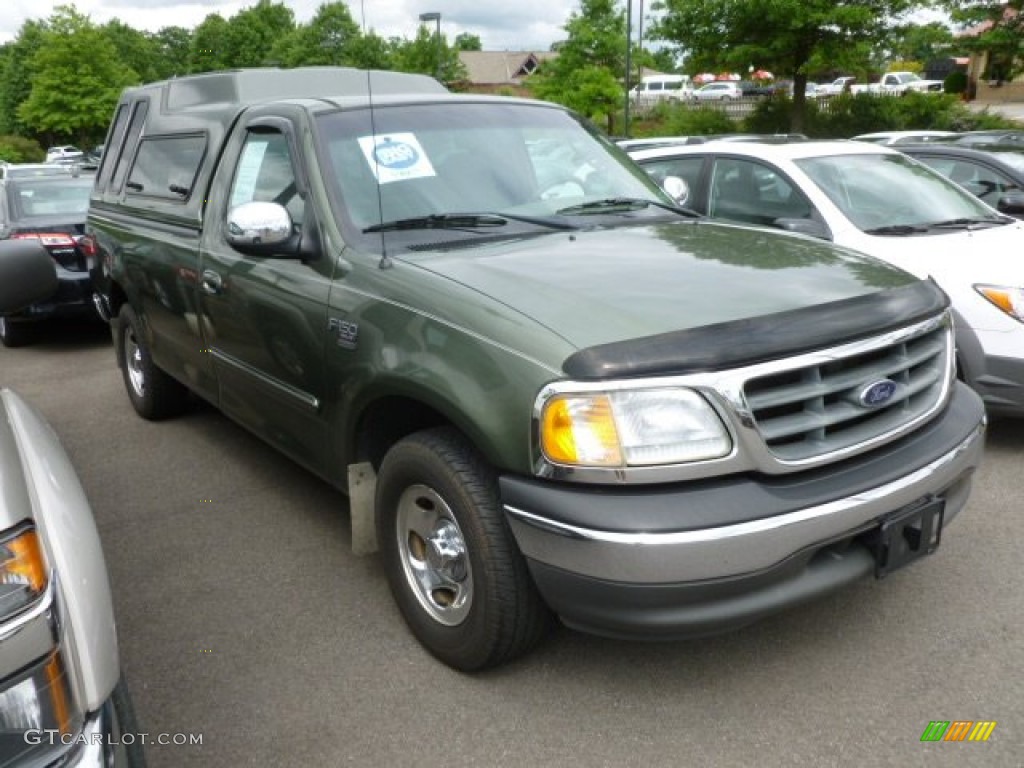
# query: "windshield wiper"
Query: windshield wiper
{"points": [[612, 204], [464, 221], [896, 229], [441, 221], [969, 223]]}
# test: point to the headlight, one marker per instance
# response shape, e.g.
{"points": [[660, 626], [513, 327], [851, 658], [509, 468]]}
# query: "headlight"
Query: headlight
{"points": [[631, 428], [22, 572], [1010, 300]]}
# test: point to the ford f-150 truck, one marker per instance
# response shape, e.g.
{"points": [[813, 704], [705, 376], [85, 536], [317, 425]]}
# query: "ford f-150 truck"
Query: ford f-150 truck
{"points": [[546, 388]]}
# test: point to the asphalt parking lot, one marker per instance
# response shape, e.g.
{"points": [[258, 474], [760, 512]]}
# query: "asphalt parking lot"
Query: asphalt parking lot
{"points": [[244, 618]]}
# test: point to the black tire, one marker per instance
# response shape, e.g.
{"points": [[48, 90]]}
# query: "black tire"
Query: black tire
{"points": [[483, 609], [15, 334], [153, 393]]}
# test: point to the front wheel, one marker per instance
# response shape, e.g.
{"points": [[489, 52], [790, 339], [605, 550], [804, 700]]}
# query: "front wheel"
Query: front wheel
{"points": [[452, 564], [153, 393]]}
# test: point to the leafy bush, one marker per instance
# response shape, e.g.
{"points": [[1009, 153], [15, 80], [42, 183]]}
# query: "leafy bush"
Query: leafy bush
{"points": [[847, 115], [955, 82], [18, 149], [774, 115], [687, 121]]}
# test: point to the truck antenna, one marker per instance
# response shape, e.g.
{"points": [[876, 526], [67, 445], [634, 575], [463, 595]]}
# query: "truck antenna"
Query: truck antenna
{"points": [[385, 260]]}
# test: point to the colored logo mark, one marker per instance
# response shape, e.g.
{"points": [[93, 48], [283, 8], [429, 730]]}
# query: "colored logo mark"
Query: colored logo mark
{"points": [[958, 730]]}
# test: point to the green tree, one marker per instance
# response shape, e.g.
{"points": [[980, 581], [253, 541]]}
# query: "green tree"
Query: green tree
{"points": [[428, 55], [591, 60], [134, 48], [251, 34], [923, 42], [173, 46], [208, 50], [999, 33], [371, 51], [788, 37], [464, 41], [330, 38], [16, 75], [76, 80]]}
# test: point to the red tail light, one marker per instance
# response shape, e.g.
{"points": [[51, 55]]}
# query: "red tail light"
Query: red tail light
{"points": [[87, 244], [49, 239]]}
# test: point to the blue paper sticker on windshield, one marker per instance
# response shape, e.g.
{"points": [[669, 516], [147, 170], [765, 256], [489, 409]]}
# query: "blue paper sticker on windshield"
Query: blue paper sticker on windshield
{"points": [[396, 157]]}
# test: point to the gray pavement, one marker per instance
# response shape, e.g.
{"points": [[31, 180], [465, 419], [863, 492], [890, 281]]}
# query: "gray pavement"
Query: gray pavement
{"points": [[244, 618], [1011, 109]]}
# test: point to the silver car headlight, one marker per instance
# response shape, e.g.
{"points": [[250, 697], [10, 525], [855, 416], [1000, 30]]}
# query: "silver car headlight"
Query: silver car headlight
{"points": [[630, 428], [23, 573]]}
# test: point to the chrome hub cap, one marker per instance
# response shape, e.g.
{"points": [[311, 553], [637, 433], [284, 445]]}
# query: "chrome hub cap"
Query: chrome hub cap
{"points": [[433, 554], [133, 363]]}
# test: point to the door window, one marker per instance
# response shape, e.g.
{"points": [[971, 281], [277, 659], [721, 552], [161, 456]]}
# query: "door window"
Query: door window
{"points": [[265, 174]]}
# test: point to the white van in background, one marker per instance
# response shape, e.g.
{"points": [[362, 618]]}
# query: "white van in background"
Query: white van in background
{"points": [[654, 89]]}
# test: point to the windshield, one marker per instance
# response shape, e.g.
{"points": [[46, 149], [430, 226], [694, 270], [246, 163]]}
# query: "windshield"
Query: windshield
{"points": [[47, 198], [883, 191], [528, 163]]}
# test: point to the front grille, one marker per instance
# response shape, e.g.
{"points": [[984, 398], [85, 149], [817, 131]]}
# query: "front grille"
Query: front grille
{"points": [[811, 411]]}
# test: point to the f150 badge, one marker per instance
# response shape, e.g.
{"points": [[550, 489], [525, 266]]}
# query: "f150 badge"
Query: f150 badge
{"points": [[346, 332]]}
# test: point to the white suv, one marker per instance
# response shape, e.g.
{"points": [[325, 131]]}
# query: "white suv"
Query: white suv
{"points": [[63, 154]]}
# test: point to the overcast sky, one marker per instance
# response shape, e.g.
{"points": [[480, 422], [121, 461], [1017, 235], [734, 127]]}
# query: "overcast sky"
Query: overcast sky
{"points": [[501, 25]]}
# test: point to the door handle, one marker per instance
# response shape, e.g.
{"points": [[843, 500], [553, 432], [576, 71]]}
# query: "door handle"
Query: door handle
{"points": [[211, 282]]}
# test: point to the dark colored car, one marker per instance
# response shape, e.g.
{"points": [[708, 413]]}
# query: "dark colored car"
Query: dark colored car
{"points": [[50, 209], [1003, 136], [994, 174]]}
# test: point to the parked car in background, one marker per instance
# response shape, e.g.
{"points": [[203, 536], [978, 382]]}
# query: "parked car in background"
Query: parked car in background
{"points": [[1001, 136], [890, 138], [752, 89], [718, 91], [837, 86], [878, 201], [996, 176], [655, 89], [51, 210], [30, 170], [62, 698], [899, 83], [65, 153]]}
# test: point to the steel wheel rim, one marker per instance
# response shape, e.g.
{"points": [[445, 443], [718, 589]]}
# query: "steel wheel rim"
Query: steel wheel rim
{"points": [[435, 560], [133, 363]]}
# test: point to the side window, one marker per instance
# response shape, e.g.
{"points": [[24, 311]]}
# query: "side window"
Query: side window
{"points": [[265, 174], [166, 166], [686, 168], [127, 148], [113, 140], [750, 192], [979, 180]]}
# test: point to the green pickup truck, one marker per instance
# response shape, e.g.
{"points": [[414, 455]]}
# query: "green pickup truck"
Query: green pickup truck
{"points": [[547, 389]]}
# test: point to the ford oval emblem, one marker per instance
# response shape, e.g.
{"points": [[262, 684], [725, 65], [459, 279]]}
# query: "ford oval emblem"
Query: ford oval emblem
{"points": [[877, 393]]}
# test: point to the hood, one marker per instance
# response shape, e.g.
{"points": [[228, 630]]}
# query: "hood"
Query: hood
{"points": [[994, 255], [606, 285]]}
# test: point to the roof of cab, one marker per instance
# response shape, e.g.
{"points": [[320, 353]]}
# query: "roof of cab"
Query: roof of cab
{"points": [[247, 86]]}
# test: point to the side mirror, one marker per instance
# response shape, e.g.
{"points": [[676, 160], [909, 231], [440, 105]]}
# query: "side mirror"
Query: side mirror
{"points": [[1012, 204], [27, 274], [262, 229], [677, 189], [803, 227]]}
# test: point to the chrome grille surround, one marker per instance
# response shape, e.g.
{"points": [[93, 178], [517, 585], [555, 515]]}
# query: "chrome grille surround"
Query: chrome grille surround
{"points": [[796, 413]]}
